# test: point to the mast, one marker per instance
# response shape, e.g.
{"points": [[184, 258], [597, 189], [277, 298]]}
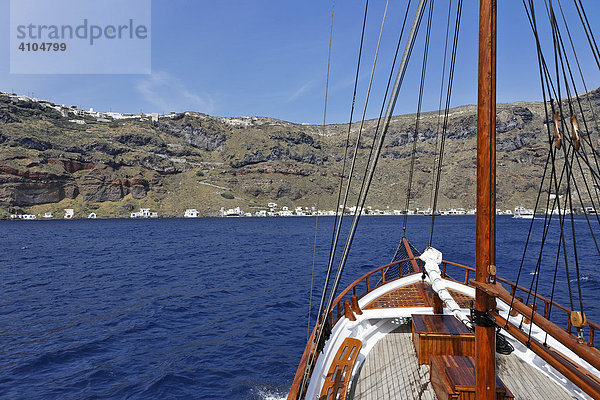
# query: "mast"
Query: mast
{"points": [[485, 335]]}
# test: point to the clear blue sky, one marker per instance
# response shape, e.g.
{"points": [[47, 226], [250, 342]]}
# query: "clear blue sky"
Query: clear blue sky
{"points": [[268, 58]]}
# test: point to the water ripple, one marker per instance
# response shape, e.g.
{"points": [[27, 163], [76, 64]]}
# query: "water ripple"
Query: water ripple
{"points": [[190, 309]]}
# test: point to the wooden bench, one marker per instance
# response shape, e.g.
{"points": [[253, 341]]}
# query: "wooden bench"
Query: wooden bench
{"points": [[440, 335], [338, 376], [453, 378]]}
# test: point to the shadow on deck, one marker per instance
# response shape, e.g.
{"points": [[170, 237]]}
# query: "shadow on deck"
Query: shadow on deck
{"points": [[391, 371]]}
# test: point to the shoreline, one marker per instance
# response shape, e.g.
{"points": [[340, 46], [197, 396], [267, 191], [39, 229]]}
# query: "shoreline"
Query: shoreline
{"points": [[537, 216]]}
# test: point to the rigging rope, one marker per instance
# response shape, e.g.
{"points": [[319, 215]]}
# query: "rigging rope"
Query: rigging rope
{"points": [[588, 31], [367, 179], [439, 116], [573, 152], [542, 68], [312, 275], [417, 118], [338, 221], [558, 54], [587, 94], [324, 135], [581, 152], [445, 124], [322, 321], [547, 78]]}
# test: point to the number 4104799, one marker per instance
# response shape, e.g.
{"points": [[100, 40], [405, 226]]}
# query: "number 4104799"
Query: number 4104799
{"points": [[45, 46]]}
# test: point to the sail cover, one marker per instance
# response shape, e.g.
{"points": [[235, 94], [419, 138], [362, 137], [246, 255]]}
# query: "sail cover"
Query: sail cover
{"points": [[433, 258]]}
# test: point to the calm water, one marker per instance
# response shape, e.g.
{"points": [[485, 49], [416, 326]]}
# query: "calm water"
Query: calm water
{"points": [[199, 309]]}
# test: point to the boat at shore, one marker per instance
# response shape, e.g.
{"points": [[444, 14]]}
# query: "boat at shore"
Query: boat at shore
{"points": [[422, 327], [523, 213]]}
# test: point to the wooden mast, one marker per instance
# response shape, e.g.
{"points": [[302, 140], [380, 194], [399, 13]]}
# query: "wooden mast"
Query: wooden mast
{"points": [[485, 336]]}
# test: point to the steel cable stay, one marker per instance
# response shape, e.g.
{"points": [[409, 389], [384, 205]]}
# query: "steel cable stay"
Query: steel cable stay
{"points": [[339, 218], [389, 112], [387, 89], [417, 118], [334, 235], [559, 57], [581, 152], [342, 205], [324, 135], [400, 249], [369, 175], [439, 114], [363, 117], [322, 317], [570, 153], [445, 123], [370, 167], [324, 127], [393, 97], [385, 96], [358, 138]]}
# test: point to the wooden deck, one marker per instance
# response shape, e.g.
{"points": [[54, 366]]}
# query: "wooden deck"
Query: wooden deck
{"points": [[526, 382], [391, 371], [415, 295]]}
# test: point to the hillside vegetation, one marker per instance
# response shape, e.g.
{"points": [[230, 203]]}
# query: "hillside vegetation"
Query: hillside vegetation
{"points": [[193, 160]]}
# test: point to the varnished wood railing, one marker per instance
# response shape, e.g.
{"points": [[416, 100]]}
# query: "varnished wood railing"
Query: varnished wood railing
{"points": [[362, 286], [379, 276], [354, 290], [515, 290]]}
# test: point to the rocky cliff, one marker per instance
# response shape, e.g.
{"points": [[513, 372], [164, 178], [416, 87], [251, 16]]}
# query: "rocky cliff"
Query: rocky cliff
{"points": [[52, 159]]}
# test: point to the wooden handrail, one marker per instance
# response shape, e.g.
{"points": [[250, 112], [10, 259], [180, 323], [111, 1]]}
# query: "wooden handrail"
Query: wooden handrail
{"points": [[365, 278], [582, 350], [413, 261], [514, 288], [592, 325], [295, 389], [583, 379], [306, 355]]}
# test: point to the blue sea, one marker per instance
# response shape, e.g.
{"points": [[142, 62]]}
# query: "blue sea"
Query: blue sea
{"points": [[202, 308]]}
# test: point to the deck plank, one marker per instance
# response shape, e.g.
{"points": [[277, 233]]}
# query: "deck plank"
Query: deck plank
{"points": [[526, 382], [391, 371]]}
